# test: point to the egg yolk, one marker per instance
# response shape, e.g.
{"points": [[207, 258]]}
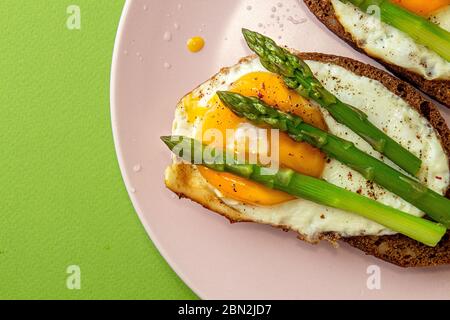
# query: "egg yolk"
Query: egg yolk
{"points": [[300, 157], [195, 44], [422, 7], [192, 108]]}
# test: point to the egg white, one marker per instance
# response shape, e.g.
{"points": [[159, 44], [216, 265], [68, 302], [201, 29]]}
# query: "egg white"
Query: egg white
{"points": [[392, 45], [442, 18], [385, 110]]}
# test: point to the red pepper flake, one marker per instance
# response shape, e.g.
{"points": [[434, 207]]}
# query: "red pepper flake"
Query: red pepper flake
{"points": [[260, 96], [439, 178]]}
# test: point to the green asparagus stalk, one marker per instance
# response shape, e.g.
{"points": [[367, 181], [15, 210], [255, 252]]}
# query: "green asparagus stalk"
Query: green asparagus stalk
{"points": [[312, 189], [298, 76], [420, 29], [258, 112]]}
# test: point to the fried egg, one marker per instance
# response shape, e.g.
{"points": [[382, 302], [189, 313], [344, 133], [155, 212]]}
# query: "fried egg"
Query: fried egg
{"points": [[392, 45], [201, 110]]}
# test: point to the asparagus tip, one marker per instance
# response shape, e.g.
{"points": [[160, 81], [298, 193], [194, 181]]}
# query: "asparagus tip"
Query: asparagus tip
{"points": [[246, 31], [170, 141], [249, 36], [227, 97], [222, 95], [234, 101]]}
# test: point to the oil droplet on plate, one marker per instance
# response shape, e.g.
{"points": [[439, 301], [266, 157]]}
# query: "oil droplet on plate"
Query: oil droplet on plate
{"points": [[195, 44], [132, 190], [167, 65], [137, 168], [145, 7], [292, 20], [167, 36], [176, 26]]}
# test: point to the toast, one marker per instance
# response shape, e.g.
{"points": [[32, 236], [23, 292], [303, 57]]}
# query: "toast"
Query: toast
{"points": [[438, 89], [186, 181]]}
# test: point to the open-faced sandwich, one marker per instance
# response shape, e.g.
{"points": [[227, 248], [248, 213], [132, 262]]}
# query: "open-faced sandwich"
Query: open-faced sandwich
{"points": [[361, 157], [410, 38]]}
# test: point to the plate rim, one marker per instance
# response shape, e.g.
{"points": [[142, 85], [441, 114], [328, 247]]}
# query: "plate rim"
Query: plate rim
{"points": [[114, 74]]}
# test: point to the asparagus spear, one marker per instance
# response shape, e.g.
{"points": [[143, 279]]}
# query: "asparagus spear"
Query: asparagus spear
{"points": [[258, 112], [297, 75], [312, 189], [420, 29]]}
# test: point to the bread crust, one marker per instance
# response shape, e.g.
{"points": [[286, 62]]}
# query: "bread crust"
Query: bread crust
{"points": [[437, 89], [187, 182]]}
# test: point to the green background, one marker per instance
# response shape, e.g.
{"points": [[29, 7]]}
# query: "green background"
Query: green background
{"points": [[62, 199]]}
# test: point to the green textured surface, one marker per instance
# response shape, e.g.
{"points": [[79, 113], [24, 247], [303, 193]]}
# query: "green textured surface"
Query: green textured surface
{"points": [[62, 199]]}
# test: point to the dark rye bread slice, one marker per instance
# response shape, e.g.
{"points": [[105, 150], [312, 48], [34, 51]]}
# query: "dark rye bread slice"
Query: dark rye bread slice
{"points": [[324, 11], [186, 181]]}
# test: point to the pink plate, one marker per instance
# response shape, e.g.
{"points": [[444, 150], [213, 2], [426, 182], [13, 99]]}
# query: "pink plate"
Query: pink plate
{"points": [[151, 70]]}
